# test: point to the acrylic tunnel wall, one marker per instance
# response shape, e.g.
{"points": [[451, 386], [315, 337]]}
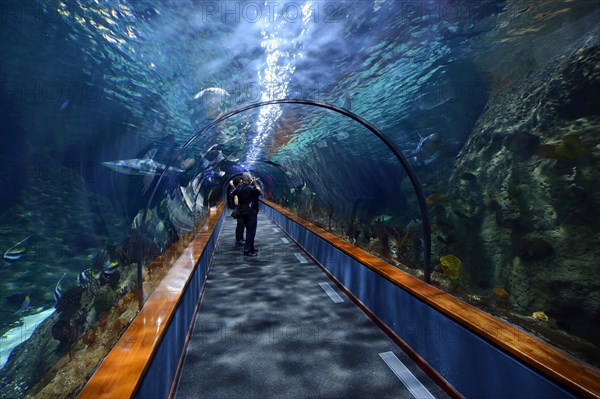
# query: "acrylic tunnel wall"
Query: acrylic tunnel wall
{"points": [[492, 103], [330, 170]]}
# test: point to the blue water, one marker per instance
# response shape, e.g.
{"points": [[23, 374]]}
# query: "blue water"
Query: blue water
{"points": [[86, 82]]}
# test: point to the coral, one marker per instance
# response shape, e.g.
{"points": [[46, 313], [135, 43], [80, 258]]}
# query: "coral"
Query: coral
{"points": [[104, 300], [70, 373], [89, 337], [451, 266], [538, 236], [62, 331]]}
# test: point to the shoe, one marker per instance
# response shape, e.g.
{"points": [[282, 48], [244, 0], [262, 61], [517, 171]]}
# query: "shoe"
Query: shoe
{"points": [[250, 254], [254, 250]]}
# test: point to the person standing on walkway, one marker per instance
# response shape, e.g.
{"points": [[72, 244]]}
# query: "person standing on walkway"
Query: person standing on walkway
{"points": [[246, 199], [240, 227]]}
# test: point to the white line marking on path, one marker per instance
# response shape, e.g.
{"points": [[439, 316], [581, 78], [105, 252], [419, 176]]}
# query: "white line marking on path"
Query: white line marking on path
{"points": [[275, 229], [301, 258], [411, 382], [331, 292], [285, 240]]}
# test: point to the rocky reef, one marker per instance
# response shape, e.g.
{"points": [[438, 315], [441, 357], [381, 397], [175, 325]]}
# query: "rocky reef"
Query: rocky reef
{"points": [[524, 195]]}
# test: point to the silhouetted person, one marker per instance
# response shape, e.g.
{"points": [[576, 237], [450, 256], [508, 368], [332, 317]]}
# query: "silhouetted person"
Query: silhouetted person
{"points": [[239, 229], [246, 198]]}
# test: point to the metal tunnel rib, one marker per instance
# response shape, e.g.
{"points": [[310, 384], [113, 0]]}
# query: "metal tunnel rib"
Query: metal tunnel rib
{"points": [[397, 153]]}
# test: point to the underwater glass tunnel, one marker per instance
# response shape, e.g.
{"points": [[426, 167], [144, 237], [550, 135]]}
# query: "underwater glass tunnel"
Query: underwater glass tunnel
{"points": [[122, 123]]}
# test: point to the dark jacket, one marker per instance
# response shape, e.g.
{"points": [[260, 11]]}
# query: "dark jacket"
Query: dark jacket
{"points": [[248, 198]]}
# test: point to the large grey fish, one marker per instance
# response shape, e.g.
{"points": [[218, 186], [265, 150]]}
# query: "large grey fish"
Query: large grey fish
{"points": [[347, 101], [143, 166], [428, 150]]}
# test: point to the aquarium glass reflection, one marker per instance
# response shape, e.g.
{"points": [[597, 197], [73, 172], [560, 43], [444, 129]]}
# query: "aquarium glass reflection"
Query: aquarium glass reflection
{"points": [[491, 102]]}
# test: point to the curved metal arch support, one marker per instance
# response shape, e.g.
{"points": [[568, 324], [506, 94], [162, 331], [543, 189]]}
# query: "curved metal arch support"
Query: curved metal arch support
{"points": [[392, 147]]}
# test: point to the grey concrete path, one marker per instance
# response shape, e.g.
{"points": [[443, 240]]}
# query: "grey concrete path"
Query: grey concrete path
{"points": [[274, 326]]}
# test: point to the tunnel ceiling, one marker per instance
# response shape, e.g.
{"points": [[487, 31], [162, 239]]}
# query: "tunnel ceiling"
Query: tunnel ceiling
{"points": [[152, 74], [156, 58]]}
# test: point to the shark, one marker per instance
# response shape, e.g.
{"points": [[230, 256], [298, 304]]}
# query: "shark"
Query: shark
{"points": [[146, 166], [428, 150]]}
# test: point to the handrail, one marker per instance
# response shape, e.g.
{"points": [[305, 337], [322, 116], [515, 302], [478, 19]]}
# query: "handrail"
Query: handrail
{"points": [[397, 153], [122, 370], [541, 356]]}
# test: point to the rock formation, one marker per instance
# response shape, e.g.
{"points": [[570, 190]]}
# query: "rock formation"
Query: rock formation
{"points": [[525, 195]]}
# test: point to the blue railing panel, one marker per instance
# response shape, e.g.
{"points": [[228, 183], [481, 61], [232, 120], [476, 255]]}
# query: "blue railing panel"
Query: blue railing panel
{"points": [[474, 367], [159, 377]]}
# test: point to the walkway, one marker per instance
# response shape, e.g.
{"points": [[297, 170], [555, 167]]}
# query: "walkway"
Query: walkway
{"points": [[274, 326]]}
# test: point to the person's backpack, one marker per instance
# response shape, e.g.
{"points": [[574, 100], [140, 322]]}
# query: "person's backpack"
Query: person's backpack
{"points": [[230, 200]]}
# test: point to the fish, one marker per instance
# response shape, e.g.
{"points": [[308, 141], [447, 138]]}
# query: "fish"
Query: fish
{"points": [[540, 316], [212, 91], [298, 188], [428, 150], [26, 302], [212, 99], [570, 147], [137, 220], [64, 105], [58, 290], [110, 267], [142, 167], [347, 101], [435, 198], [187, 163], [16, 251], [87, 278], [500, 293], [205, 153], [187, 198], [197, 184]]}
